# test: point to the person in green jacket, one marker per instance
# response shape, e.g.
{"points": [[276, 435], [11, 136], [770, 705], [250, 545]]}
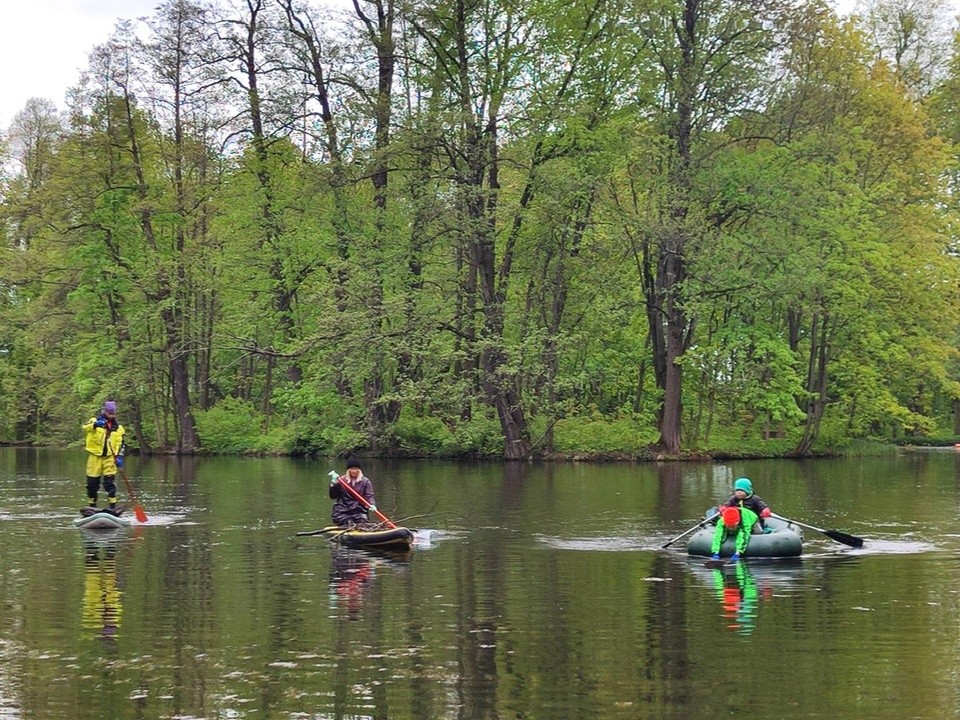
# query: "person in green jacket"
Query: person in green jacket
{"points": [[737, 523]]}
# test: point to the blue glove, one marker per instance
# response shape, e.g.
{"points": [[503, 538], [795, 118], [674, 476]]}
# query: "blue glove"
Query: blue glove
{"points": [[100, 422], [372, 508], [119, 462], [715, 556], [735, 558]]}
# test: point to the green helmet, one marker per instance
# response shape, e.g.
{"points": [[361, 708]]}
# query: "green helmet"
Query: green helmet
{"points": [[744, 484]]}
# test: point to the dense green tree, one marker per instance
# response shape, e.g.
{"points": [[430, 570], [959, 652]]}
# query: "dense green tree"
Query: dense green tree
{"points": [[516, 227]]}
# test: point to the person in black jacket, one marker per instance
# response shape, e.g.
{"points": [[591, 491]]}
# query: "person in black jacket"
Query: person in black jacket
{"points": [[743, 497]]}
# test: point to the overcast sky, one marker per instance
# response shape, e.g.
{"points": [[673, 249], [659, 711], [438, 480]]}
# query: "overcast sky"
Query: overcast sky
{"points": [[44, 44]]}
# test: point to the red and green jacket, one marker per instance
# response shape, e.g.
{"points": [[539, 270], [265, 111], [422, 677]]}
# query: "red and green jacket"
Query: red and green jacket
{"points": [[741, 532]]}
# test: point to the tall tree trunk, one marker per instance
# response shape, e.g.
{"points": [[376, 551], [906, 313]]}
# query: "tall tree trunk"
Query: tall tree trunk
{"points": [[480, 187], [380, 34], [816, 385], [270, 223], [303, 30], [164, 297]]}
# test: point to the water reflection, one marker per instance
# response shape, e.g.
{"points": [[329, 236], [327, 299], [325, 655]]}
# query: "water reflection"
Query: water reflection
{"points": [[737, 591], [742, 588], [549, 598], [102, 597], [352, 574]]}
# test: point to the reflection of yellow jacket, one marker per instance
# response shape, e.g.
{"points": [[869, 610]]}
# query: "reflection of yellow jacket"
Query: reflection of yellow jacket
{"points": [[101, 598], [96, 439]]}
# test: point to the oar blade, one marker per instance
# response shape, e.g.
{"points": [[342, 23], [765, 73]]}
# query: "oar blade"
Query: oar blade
{"points": [[842, 537], [139, 514]]}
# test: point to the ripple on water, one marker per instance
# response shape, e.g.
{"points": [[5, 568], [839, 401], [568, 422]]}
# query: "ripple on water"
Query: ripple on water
{"points": [[597, 544], [885, 546]]}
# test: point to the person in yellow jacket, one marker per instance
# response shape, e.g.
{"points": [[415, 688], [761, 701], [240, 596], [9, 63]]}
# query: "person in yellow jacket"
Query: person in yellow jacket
{"points": [[104, 445]]}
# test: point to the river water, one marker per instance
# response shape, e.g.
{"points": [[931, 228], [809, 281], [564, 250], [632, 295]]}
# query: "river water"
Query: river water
{"points": [[533, 591]]}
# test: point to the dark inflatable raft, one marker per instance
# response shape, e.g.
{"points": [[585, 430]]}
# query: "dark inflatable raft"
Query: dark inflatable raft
{"points": [[786, 540], [398, 538]]}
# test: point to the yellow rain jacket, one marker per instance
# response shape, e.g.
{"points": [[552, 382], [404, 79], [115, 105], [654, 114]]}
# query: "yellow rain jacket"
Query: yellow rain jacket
{"points": [[103, 444]]}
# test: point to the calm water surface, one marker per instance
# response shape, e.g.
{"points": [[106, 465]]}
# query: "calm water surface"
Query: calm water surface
{"points": [[534, 591]]}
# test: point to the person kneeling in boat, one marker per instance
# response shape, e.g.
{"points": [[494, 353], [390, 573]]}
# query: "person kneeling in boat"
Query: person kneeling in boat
{"points": [[348, 511], [737, 523], [743, 497]]}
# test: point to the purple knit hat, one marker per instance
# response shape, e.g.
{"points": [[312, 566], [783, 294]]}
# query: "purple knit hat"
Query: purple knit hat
{"points": [[110, 407]]}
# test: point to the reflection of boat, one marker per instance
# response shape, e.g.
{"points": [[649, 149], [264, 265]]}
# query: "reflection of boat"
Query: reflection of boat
{"points": [[352, 572], [786, 540], [104, 538], [388, 538], [741, 587], [771, 572], [94, 519]]}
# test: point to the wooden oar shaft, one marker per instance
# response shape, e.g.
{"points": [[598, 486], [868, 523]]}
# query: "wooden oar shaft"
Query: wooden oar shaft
{"points": [[796, 522], [137, 510]]}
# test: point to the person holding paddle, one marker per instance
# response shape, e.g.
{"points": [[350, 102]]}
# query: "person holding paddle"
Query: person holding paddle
{"points": [[347, 509], [743, 497], [104, 445]]}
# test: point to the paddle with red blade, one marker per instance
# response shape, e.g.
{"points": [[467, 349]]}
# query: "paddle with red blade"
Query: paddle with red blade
{"points": [[137, 510]]}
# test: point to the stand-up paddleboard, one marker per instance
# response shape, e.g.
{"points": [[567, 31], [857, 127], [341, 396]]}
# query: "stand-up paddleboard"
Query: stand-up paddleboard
{"points": [[100, 519]]}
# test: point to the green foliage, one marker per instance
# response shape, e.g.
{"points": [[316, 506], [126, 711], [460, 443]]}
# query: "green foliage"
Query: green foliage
{"points": [[234, 426], [424, 435], [322, 422], [602, 435], [480, 436], [347, 288]]}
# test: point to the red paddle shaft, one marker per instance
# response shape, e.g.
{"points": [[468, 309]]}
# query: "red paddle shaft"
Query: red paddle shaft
{"points": [[363, 501], [137, 510]]}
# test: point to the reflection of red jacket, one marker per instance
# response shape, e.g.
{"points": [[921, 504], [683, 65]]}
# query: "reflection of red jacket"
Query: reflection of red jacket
{"points": [[347, 509]]}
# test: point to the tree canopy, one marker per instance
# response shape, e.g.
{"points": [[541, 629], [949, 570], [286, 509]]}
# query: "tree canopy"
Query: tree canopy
{"points": [[514, 228]]}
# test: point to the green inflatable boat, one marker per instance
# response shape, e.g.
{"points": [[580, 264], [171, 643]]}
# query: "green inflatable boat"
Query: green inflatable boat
{"points": [[786, 540]]}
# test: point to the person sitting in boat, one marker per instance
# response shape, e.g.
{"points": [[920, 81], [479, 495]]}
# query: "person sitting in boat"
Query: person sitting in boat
{"points": [[737, 523], [743, 497], [347, 509]]}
